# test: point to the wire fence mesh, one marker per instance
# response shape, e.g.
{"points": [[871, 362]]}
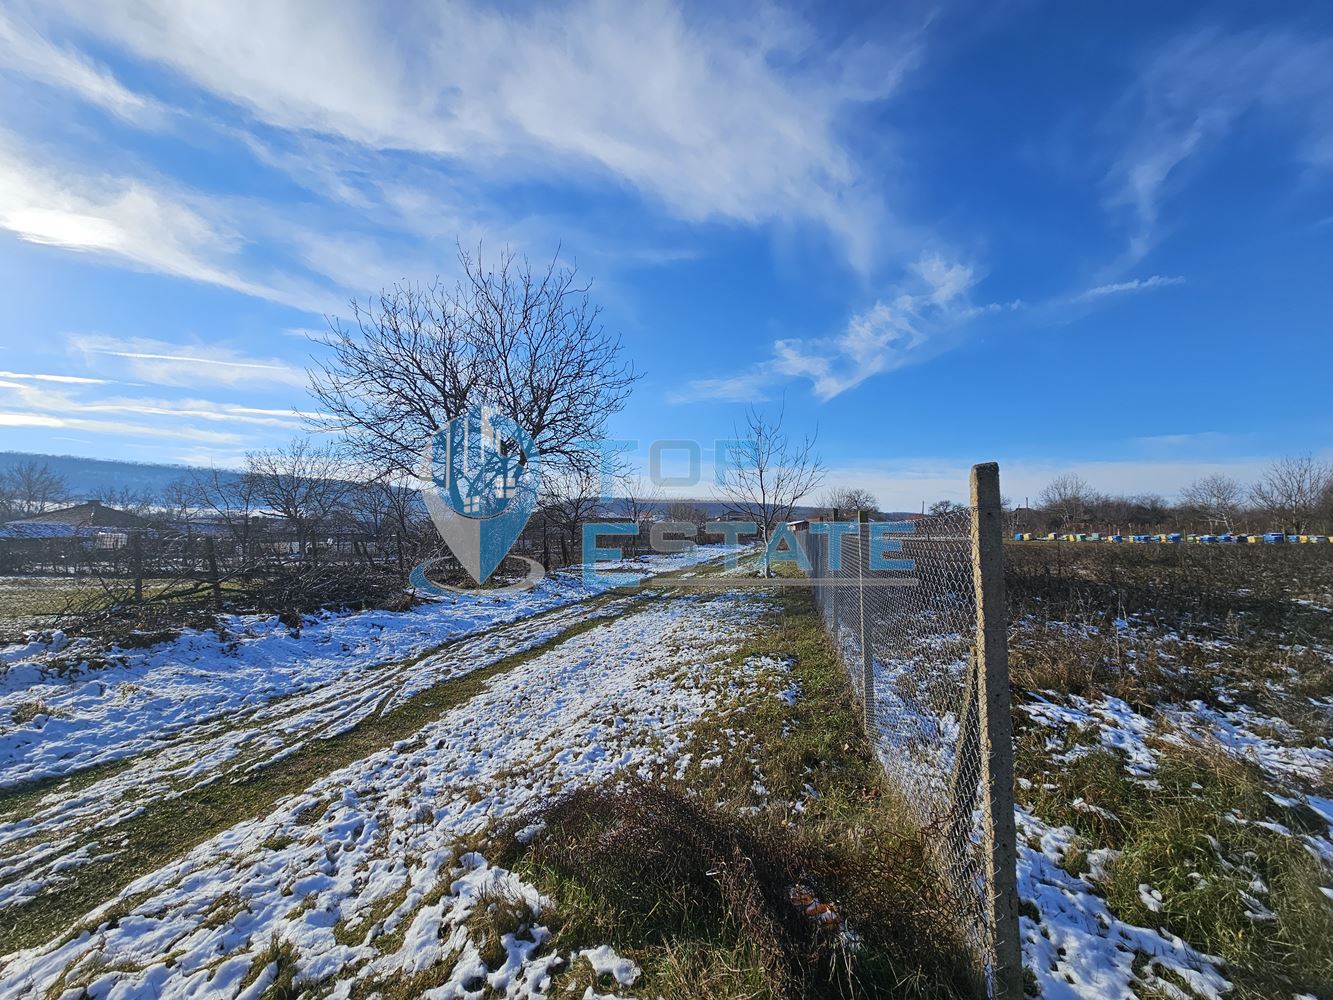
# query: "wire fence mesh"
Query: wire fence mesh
{"points": [[899, 601]]}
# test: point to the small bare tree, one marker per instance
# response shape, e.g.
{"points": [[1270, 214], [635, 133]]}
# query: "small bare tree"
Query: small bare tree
{"points": [[767, 474], [684, 512], [942, 508], [639, 503], [571, 497], [303, 483], [1291, 491], [1068, 498], [849, 500], [1215, 500], [124, 498], [31, 488], [231, 500]]}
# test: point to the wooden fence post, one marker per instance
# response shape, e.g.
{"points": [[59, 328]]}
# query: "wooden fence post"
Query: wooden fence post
{"points": [[996, 730], [136, 549], [211, 553]]}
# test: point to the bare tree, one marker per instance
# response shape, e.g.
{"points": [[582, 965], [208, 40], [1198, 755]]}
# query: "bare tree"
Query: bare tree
{"points": [[571, 497], [639, 503], [1215, 500], [405, 514], [768, 474], [303, 483], [31, 488], [942, 508], [231, 500], [124, 498], [849, 500], [1291, 491], [529, 343], [686, 513], [179, 502], [1068, 497]]}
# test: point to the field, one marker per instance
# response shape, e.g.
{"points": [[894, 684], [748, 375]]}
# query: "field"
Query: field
{"points": [[663, 792]]}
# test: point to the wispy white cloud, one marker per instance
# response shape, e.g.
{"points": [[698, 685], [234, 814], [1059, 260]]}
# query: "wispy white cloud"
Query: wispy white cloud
{"points": [[80, 405], [740, 120], [1133, 285], [118, 428], [23, 50], [65, 379], [164, 363], [923, 317], [136, 221], [1197, 90]]}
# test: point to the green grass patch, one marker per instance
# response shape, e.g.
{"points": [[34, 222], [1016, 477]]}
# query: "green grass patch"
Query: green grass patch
{"points": [[1197, 842], [710, 895]]}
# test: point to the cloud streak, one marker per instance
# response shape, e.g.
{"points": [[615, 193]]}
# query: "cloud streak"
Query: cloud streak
{"points": [[923, 317], [136, 222], [1133, 285], [1196, 91], [164, 363]]}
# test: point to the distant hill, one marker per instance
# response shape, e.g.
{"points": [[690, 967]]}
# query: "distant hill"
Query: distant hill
{"points": [[88, 477]]}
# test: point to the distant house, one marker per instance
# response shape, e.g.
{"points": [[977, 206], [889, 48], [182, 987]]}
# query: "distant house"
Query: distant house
{"points": [[60, 534], [85, 520]]}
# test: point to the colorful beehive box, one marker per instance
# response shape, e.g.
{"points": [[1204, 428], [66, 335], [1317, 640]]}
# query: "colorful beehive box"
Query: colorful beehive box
{"points": [[1115, 538], [1173, 537], [1273, 537]]}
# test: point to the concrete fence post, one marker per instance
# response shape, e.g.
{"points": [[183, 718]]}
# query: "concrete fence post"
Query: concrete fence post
{"points": [[867, 653], [996, 731]]}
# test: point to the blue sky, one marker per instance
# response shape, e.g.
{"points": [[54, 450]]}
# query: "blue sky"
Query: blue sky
{"points": [[1057, 235]]}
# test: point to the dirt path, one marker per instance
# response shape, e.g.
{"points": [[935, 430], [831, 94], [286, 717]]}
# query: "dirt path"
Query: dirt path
{"points": [[423, 754]]}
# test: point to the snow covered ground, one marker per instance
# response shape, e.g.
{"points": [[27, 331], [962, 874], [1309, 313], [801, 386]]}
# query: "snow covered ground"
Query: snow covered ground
{"points": [[1079, 947], [320, 871], [79, 716]]}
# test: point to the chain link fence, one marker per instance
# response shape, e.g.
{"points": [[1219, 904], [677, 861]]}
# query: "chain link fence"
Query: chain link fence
{"points": [[901, 602]]}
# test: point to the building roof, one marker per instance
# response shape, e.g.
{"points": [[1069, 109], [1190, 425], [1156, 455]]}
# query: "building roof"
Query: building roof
{"points": [[84, 515]]}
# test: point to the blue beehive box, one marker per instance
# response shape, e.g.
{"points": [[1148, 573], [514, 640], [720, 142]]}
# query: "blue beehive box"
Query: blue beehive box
{"points": [[1208, 539], [1293, 538], [1274, 537], [1173, 537], [1117, 538]]}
